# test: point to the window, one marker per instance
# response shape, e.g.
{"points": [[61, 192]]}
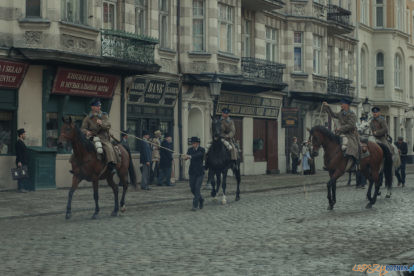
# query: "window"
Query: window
{"points": [[397, 71], [164, 23], [297, 51], [198, 26], [225, 28], [350, 65], [137, 125], [271, 44], [330, 60], [364, 11], [6, 131], [109, 14], [140, 17], [400, 15], [380, 69], [363, 68], [411, 82], [74, 11], [33, 8], [246, 37], [317, 49], [341, 63], [379, 13]]}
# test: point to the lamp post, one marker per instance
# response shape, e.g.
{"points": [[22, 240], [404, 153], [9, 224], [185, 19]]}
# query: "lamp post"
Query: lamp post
{"points": [[215, 89], [366, 106]]}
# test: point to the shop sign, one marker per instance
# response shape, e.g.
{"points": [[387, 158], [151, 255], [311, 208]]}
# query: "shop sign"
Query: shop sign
{"points": [[151, 91], [12, 73], [290, 117], [84, 83], [248, 105]]}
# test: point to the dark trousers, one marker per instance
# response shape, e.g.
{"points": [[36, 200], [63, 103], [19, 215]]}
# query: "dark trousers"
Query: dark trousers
{"points": [[361, 180], [154, 172], [295, 163], [195, 186], [25, 184], [400, 172], [165, 176], [131, 172], [145, 176]]}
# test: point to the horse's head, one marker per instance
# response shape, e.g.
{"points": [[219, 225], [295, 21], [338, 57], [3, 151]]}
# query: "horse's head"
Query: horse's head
{"points": [[67, 132], [215, 127], [316, 139]]}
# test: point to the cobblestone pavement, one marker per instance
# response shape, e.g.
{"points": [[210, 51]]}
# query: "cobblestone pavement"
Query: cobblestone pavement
{"points": [[272, 232]]}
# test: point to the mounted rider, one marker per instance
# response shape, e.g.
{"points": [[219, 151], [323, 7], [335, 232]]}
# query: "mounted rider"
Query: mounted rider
{"points": [[346, 130], [96, 127], [379, 129], [228, 130]]}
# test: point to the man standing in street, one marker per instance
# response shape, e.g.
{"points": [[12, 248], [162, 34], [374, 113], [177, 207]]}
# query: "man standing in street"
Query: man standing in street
{"points": [[402, 149], [145, 158], [294, 153], [166, 159], [155, 146], [196, 171], [131, 171], [22, 160]]}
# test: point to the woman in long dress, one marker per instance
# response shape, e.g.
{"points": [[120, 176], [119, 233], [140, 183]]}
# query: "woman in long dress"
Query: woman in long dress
{"points": [[306, 158]]}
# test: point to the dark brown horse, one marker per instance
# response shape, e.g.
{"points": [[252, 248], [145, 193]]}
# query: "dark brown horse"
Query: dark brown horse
{"points": [[371, 166], [86, 166]]}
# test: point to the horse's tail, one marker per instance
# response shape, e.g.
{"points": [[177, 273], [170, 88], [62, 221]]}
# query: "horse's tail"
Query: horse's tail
{"points": [[387, 168]]}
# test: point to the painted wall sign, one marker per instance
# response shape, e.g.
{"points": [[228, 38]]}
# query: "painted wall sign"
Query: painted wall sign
{"points": [[12, 73], [290, 117], [153, 91], [248, 105], [84, 83]]}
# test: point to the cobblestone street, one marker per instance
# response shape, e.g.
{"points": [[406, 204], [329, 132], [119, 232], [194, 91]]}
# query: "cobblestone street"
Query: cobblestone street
{"points": [[275, 232]]}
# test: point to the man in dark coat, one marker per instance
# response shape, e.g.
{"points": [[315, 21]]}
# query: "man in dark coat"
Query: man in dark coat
{"points": [[196, 171], [22, 159], [145, 158], [294, 153], [403, 150], [131, 171], [166, 159]]}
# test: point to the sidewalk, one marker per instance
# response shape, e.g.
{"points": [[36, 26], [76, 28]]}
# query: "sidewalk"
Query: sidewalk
{"points": [[50, 202]]}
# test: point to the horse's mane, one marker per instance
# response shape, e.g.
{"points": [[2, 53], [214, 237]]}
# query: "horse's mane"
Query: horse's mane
{"points": [[326, 132], [86, 143]]}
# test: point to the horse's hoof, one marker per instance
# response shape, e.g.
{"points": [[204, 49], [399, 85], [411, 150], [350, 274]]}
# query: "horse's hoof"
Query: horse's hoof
{"points": [[369, 206], [114, 214], [330, 207], [123, 208], [388, 196], [95, 216], [379, 193], [68, 215], [215, 199], [224, 201]]}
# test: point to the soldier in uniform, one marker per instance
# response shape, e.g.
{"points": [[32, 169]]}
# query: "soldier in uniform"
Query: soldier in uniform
{"points": [[228, 130], [379, 128], [97, 124], [346, 130]]}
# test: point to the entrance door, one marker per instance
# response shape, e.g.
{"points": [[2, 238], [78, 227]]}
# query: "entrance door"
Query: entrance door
{"points": [[265, 143], [272, 154]]}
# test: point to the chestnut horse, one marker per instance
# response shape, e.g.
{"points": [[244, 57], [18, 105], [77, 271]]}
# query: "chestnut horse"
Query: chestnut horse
{"points": [[87, 166], [371, 166]]}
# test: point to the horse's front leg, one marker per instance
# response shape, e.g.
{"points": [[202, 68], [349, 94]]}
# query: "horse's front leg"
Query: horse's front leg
{"points": [[331, 185], [124, 183], [96, 198], [237, 174], [218, 181], [210, 179], [75, 183], [224, 199], [115, 190]]}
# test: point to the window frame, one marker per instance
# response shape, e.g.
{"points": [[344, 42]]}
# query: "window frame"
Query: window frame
{"points": [[317, 54], [229, 23], [82, 19], [34, 16], [164, 37], [144, 9], [382, 7], [379, 69], [247, 37], [202, 19], [397, 71], [298, 45], [400, 15], [114, 3], [341, 59], [273, 42], [350, 60], [363, 67]]}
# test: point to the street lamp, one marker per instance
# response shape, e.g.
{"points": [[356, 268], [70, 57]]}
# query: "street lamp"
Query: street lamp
{"points": [[215, 89], [366, 106]]}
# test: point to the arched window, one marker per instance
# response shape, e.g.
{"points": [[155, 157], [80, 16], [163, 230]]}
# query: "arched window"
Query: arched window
{"points": [[397, 71], [380, 69], [363, 68]]}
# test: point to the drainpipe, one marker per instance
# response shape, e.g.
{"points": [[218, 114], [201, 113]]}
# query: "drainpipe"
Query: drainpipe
{"points": [[358, 89], [180, 88]]}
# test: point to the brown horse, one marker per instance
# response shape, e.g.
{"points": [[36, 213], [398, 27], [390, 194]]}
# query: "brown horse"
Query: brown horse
{"points": [[335, 162], [87, 166]]}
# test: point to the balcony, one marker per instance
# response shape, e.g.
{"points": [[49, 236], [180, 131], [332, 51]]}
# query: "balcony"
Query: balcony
{"points": [[339, 19], [261, 5], [340, 86], [127, 47], [263, 71]]}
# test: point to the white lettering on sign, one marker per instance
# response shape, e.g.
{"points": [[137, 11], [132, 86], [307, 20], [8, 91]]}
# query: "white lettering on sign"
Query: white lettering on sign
{"points": [[12, 69], [5, 78]]}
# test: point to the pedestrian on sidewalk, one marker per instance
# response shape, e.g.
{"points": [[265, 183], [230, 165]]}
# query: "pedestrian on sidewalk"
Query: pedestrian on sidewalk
{"points": [[306, 158], [22, 159], [145, 158], [166, 159], [403, 150], [131, 171], [155, 165], [294, 153], [196, 171]]}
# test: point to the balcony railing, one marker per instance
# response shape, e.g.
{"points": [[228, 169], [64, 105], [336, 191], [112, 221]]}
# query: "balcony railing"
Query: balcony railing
{"points": [[339, 86], [127, 47], [262, 70], [339, 15], [260, 5]]}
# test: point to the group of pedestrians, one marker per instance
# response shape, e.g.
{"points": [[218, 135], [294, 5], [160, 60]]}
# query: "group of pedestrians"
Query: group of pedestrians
{"points": [[308, 163]]}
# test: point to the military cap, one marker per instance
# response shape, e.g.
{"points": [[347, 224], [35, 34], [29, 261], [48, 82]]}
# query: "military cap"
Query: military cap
{"points": [[168, 135], [145, 132], [225, 110], [20, 131], [345, 101], [195, 139], [96, 102], [124, 132], [375, 109]]}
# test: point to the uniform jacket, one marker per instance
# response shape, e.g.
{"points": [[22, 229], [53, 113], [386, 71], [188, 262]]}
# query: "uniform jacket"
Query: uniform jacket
{"points": [[166, 156], [347, 127], [379, 125], [145, 152], [196, 161], [228, 130], [21, 153]]}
